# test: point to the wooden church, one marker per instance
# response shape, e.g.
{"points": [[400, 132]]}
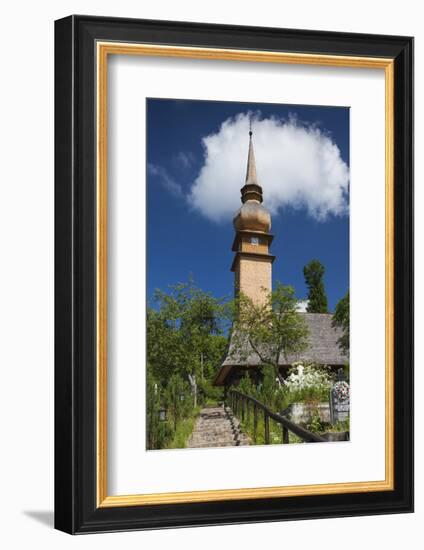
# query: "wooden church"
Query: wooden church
{"points": [[252, 267]]}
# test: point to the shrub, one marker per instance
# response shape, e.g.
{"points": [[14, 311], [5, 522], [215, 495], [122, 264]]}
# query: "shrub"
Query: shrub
{"points": [[306, 383]]}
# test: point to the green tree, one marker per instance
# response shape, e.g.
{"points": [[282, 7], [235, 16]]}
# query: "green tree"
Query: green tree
{"points": [[185, 333], [271, 330], [341, 320], [164, 348], [317, 299]]}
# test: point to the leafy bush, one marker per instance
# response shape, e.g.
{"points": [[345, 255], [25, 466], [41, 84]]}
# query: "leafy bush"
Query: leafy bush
{"points": [[157, 432], [178, 399], [210, 394]]}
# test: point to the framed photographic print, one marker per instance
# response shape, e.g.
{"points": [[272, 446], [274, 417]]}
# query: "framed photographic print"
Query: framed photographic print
{"points": [[233, 274]]}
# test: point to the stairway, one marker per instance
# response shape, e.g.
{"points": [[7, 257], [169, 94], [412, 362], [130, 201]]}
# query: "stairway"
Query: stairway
{"points": [[217, 427]]}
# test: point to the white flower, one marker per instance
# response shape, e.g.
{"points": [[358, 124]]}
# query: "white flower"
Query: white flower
{"points": [[308, 377]]}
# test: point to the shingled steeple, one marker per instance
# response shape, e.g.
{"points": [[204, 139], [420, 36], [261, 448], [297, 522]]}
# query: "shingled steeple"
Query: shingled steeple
{"points": [[252, 262]]}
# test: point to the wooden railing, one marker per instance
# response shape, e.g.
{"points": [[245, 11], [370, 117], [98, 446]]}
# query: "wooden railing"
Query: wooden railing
{"points": [[244, 405]]}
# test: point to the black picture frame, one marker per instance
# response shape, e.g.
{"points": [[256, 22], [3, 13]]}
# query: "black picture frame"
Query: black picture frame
{"points": [[76, 510]]}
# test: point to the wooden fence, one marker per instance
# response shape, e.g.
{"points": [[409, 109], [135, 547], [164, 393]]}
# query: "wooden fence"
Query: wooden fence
{"points": [[244, 405]]}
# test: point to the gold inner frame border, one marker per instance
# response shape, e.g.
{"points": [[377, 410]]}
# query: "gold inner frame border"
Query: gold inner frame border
{"points": [[103, 50]]}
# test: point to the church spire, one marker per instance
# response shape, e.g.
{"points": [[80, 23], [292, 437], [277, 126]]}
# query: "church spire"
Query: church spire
{"points": [[251, 190], [251, 176]]}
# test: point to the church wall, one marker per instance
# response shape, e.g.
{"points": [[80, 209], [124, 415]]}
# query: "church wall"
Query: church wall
{"points": [[247, 246], [254, 276]]}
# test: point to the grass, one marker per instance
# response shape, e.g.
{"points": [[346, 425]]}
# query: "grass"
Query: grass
{"points": [[183, 431], [275, 431]]}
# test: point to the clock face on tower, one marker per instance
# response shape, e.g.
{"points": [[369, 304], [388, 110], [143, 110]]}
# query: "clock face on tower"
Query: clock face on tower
{"points": [[254, 240]]}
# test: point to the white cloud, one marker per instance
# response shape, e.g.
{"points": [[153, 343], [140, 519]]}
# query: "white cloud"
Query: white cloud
{"points": [[298, 166], [165, 179]]}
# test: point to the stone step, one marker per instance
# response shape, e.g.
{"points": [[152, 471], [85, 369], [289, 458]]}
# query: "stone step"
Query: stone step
{"points": [[217, 427]]}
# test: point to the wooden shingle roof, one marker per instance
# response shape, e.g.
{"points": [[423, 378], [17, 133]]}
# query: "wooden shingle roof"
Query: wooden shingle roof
{"points": [[323, 348]]}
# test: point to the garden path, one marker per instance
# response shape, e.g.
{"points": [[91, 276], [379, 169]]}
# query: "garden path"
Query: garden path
{"points": [[217, 427]]}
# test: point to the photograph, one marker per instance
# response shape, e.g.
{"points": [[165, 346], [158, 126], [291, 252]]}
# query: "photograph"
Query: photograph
{"points": [[233, 272], [247, 259], [211, 283]]}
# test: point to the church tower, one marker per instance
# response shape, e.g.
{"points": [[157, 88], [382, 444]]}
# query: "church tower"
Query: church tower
{"points": [[252, 265]]}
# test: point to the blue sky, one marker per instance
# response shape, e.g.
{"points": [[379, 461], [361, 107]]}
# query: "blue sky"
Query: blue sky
{"points": [[193, 190]]}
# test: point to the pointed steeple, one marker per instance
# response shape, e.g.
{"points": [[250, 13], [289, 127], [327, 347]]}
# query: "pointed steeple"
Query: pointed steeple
{"points": [[251, 190], [251, 176]]}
